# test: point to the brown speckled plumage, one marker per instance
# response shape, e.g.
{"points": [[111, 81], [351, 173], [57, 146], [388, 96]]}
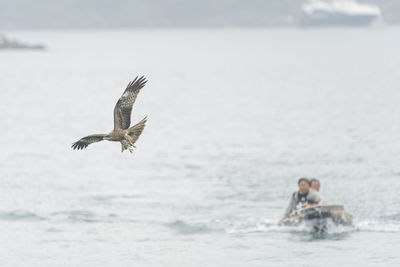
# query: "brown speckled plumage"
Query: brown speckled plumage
{"points": [[122, 133]]}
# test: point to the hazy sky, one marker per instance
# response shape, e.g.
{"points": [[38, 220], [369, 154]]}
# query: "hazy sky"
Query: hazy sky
{"points": [[48, 14]]}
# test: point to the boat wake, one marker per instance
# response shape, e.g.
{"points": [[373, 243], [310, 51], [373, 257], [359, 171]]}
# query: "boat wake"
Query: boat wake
{"points": [[379, 226], [268, 226]]}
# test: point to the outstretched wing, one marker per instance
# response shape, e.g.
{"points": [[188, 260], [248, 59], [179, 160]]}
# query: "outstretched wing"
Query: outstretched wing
{"points": [[123, 108], [87, 140]]}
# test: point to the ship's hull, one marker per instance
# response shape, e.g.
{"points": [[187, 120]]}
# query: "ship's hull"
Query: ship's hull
{"points": [[336, 19]]}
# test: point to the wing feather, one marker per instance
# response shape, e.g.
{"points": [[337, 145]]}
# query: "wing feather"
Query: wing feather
{"points": [[123, 108], [87, 140]]}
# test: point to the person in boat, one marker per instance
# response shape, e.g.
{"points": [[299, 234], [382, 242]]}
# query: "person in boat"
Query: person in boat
{"points": [[315, 184], [303, 198]]}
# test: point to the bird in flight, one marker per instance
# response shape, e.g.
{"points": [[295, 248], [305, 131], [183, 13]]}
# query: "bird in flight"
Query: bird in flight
{"points": [[122, 133]]}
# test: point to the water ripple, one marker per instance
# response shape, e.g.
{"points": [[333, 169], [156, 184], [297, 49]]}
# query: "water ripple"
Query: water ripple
{"points": [[185, 228], [85, 216], [20, 215]]}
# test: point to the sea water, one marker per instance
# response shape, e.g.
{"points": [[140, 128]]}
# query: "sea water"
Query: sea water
{"points": [[235, 117]]}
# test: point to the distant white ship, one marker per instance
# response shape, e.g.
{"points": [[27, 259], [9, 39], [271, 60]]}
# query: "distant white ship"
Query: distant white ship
{"points": [[12, 44], [338, 13]]}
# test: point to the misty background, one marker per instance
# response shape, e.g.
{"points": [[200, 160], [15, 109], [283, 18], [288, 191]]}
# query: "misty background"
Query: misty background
{"points": [[242, 100], [93, 14]]}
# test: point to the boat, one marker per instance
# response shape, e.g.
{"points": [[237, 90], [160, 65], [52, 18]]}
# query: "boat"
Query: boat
{"points": [[318, 217], [339, 13], [12, 44]]}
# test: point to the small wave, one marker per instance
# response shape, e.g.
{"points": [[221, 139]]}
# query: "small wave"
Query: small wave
{"points": [[252, 226], [82, 216], [19, 215], [392, 217], [267, 226], [333, 231], [107, 198], [53, 230], [184, 228], [75, 216], [379, 226]]}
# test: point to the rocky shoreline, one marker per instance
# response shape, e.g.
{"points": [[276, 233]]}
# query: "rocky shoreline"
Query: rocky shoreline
{"points": [[14, 44]]}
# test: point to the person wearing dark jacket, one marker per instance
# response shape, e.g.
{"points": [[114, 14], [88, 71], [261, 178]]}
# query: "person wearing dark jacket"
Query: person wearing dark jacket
{"points": [[302, 198]]}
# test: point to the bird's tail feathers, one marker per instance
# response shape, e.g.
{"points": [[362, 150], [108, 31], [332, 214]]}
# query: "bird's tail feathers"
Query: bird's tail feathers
{"points": [[136, 130]]}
